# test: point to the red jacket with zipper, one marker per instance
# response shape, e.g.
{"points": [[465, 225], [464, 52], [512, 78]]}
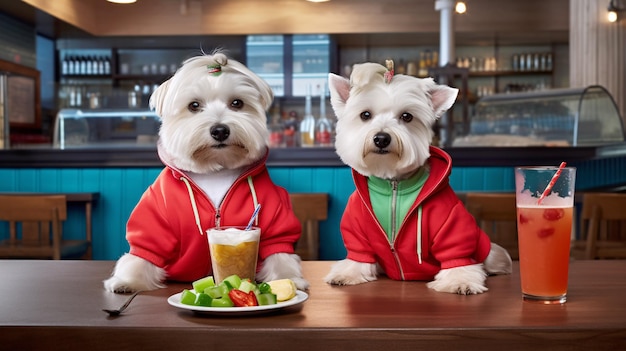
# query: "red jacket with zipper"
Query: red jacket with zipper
{"points": [[162, 228], [450, 236]]}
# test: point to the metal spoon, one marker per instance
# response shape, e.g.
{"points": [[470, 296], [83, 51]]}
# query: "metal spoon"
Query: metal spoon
{"points": [[117, 312]]}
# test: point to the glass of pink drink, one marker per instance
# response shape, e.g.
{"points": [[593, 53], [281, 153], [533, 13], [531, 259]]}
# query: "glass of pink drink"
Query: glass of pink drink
{"points": [[544, 229]]}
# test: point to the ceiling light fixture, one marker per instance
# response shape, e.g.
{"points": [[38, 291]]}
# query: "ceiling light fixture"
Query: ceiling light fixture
{"points": [[614, 10], [460, 7], [318, 0], [122, 1]]}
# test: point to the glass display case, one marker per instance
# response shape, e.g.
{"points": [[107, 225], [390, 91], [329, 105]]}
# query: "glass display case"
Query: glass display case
{"points": [[75, 128], [557, 117]]}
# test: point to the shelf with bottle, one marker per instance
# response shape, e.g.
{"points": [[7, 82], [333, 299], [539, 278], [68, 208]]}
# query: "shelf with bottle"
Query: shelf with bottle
{"points": [[288, 129], [536, 63], [152, 66], [87, 65]]}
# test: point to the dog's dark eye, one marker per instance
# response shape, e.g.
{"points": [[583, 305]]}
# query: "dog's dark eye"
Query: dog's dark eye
{"points": [[407, 117], [194, 106], [236, 104], [366, 115]]}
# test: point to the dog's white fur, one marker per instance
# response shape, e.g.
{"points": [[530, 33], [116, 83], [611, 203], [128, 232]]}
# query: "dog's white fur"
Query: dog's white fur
{"points": [[190, 104], [426, 101]]}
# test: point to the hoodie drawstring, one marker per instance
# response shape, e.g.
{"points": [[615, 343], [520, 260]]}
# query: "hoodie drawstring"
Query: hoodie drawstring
{"points": [[419, 234], [194, 206], [254, 198], [192, 198]]}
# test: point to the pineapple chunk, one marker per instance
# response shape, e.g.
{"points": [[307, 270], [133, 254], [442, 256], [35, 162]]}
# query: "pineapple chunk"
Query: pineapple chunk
{"points": [[284, 289]]}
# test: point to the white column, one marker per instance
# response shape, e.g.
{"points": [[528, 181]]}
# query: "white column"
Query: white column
{"points": [[446, 32], [597, 49], [446, 55]]}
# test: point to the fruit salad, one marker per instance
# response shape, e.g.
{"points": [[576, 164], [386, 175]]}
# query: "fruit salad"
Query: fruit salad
{"points": [[234, 291]]}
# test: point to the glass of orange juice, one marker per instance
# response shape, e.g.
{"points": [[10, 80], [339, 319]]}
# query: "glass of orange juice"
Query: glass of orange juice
{"points": [[545, 201], [234, 250]]}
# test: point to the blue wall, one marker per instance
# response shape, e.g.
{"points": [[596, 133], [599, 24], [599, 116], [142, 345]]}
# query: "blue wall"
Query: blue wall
{"points": [[121, 188]]}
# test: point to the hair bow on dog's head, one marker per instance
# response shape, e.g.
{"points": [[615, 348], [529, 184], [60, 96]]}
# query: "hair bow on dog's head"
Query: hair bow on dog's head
{"points": [[215, 70], [390, 72]]}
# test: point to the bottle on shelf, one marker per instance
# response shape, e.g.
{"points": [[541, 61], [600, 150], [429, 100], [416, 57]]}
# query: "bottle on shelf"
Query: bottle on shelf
{"points": [[411, 68], [307, 125], [71, 65], [401, 67], [89, 65], [422, 68], [277, 129], [82, 64], [427, 60], [107, 65], [65, 65], [323, 126], [290, 125]]}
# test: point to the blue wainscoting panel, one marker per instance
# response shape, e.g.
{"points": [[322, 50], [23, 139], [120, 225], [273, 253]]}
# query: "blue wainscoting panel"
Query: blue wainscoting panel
{"points": [[337, 182], [496, 179]]}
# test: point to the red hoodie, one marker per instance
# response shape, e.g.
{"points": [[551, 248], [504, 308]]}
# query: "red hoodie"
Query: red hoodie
{"points": [[449, 234], [162, 228]]}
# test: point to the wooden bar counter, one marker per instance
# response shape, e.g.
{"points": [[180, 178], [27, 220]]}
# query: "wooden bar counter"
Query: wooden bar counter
{"points": [[56, 305]]}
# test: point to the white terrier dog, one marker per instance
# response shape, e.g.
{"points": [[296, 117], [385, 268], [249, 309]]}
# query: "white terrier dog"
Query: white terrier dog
{"points": [[213, 142], [404, 220]]}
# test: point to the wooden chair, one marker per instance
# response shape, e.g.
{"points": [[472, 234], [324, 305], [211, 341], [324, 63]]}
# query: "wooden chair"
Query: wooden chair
{"points": [[35, 225], [310, 208], [496, 214], [602, 227]]}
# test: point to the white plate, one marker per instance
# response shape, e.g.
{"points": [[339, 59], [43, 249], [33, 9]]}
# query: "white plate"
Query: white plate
{"points": [[300, 297]]}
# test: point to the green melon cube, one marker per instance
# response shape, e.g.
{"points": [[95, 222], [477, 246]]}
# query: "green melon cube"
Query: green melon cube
{"points": [[203, 283], [223, 302], [214, 291], [203, 300], [188, 297], [266, 299]]}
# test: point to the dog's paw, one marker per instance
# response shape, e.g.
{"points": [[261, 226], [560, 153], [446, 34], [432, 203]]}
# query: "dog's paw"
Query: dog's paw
{"points": [[467, 280], [283, 266], [132, 274], [349, 272], [499, 261], [117, 285], [301, 283]]}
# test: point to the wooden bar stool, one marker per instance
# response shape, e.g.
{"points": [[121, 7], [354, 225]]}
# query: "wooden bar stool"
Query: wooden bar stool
{"points": [[310, 208], [36, 228], [602, 227], [496, 215]]}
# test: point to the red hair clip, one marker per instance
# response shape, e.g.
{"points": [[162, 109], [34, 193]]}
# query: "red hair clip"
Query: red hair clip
{"points": [[215, 70], [390, 72]]}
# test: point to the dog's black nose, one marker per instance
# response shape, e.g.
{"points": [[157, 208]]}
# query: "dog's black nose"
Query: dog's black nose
{"points": [[220, 132], [382, 140]]}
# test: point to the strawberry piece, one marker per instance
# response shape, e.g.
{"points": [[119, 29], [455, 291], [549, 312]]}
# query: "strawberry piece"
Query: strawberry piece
{"points": [[553, 214], [546, 232], [523, 219]]}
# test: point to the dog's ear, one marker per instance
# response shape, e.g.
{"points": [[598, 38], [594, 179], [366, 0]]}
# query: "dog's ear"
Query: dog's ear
{"points": [[442, 98], [339, 92], [157, 97]]}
